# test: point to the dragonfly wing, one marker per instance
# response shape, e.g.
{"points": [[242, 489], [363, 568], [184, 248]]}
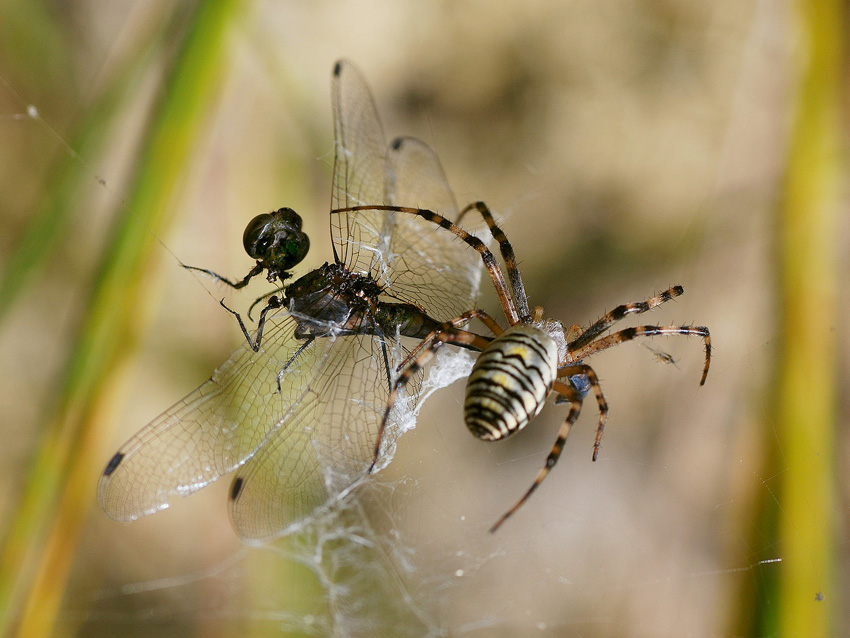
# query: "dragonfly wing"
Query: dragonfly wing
{"points": [[415, 178], [423, 261], [328, 447], [359, 151], [413, 259], [217, 427]]}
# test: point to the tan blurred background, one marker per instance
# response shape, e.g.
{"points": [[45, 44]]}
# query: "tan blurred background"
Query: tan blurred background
{"points": [[625, 146]]}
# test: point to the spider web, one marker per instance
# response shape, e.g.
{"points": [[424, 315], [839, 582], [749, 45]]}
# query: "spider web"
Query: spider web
{"points": [[662, 533]]}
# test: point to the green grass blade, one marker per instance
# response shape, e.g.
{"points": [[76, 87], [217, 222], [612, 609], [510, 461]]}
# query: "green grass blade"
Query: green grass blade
{"points": [[59, 484]]}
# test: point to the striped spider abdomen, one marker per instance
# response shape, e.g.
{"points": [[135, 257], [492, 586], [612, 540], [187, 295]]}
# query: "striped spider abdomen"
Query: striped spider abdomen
{"points": [[510, 381]]}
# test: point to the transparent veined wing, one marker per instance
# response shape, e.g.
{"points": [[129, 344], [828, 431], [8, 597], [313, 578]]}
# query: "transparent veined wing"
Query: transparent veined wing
{"points": [[414, 260], [415, 178], [302, 414], [293, 476], [344, 409], [420, 262], [219, 426], [359, 148]]}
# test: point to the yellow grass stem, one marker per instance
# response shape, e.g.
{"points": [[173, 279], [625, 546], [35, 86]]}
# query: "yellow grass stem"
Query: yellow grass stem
{"points": [[806, 391]]}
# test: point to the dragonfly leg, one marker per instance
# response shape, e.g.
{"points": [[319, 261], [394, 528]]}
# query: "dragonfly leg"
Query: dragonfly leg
{"points": [[263, 298], [273, 304], [301, 348], [256, 270]]}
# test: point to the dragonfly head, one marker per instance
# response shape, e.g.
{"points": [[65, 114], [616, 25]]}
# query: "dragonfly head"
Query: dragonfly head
{"points": [[276, 240]]}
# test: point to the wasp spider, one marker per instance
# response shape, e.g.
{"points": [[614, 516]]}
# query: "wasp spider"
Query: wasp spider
{"points": [[520, 366]]}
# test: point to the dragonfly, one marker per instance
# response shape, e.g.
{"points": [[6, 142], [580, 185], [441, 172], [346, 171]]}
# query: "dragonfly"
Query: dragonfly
{"points": [[295, 412]]}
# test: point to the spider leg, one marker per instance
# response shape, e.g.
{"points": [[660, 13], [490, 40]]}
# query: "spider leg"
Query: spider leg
{"points": [[588, 372], [457, 322], [610, 318], [489, 260], [570, 394], [447, 334], [508, 256], [256, 270], [627, 334]]}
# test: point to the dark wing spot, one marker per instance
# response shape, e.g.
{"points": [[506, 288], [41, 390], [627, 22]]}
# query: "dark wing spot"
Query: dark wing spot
{"points": [[237, 485], [337, 68], [114, 462], [397, 142]]}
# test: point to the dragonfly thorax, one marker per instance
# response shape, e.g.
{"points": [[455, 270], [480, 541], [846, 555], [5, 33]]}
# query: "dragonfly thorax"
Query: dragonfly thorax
{"points": [[332, 300]]}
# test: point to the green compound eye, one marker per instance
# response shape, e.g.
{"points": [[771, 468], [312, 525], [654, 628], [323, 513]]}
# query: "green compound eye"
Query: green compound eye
{"points": [[295, 249], [276, 239]]}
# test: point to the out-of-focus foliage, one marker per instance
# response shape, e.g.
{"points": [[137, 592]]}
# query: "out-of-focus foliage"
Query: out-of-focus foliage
{"points": [[624, 146]]}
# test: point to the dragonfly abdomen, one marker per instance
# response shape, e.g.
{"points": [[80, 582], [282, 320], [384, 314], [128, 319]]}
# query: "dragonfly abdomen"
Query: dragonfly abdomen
{"points": [[407, 319], [509, 382]]}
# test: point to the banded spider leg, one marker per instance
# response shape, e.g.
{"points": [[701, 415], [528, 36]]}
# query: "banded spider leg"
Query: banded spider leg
{"points": [[511, 414], [591, 340], [518, 368]]}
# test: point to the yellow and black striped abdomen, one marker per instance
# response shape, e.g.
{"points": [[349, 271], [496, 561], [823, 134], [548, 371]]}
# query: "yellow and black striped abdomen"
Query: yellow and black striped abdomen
{"points": [[509, 382]]}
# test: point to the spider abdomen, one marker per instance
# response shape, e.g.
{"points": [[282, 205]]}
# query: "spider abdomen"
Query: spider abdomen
{"points": [[510, 381]]}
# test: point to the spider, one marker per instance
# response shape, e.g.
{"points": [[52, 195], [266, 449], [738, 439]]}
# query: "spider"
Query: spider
{"points": [[522, 365]]}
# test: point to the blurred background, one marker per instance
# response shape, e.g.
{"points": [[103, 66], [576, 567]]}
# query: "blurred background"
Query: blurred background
{"points": [[625, 147]]}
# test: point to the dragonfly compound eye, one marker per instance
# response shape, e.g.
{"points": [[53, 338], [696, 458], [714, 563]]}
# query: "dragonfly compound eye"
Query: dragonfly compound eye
{"points": [[257, 239], [276, 239]]}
